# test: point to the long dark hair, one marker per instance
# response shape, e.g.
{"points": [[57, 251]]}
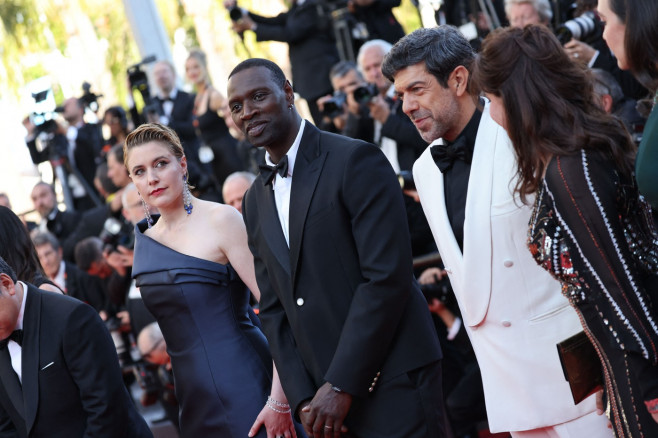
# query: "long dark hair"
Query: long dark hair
{"points": [[548, 103], [17, 249], [641, 38]]}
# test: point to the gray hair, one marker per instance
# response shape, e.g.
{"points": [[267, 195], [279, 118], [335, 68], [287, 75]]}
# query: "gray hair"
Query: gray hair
{"points": [[441, 48], [44, 238], [384, 47], [605, 83], [247, 176], [341, 68], [543, 8], [130, 187]]}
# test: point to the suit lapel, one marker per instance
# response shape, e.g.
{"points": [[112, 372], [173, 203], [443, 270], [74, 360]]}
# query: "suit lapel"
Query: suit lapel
{"points": [[31, 329], [477, 225], [270, 223], [308, 166]]}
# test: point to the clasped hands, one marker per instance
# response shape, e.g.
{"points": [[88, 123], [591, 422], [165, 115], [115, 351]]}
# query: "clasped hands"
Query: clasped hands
{"points": [[323, 416]]}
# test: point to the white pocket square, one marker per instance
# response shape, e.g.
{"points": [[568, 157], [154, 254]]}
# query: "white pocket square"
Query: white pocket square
{"points": [[51, 363]]}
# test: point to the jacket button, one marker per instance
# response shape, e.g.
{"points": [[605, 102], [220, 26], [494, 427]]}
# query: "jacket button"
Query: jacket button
{"points": [[300, 302], [508, 263], [506, 323]]}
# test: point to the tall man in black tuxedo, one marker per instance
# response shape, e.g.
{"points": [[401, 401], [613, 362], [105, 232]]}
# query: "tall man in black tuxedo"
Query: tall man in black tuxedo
{"points": [[59, 372], [348, 327]]}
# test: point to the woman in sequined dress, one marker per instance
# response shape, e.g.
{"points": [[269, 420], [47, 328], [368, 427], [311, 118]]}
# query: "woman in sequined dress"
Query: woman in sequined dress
{"points": [[589, 228]]}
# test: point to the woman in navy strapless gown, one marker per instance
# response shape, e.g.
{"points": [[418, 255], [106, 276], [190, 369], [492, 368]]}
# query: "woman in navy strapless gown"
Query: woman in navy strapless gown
{"points": [[189, 263]]}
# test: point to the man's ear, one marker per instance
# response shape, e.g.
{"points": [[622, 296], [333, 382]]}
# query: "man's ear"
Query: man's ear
{"points": [[606, 102], [458, 80], [290, 94], [7, 284]]}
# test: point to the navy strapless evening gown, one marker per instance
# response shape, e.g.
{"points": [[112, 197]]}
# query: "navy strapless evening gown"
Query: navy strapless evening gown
{"points": [[221, 363]]}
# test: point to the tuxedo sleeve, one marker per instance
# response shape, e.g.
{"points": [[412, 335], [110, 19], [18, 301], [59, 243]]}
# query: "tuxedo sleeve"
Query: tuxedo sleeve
{"points": [[288, 27], [296, 381], [92, 362], [182, 118], [373, 199], [7, 428]]}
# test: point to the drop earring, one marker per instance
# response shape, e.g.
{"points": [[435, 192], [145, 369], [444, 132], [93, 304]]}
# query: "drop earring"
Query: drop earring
{"points": [[187, 196], [149, 219]]}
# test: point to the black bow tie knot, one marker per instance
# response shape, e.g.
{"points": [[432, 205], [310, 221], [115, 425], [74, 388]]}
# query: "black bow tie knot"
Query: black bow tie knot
{"points": [[445, 155], [16, 336], [269, 172]]}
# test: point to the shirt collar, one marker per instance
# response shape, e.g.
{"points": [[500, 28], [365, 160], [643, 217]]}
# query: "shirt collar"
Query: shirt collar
{"points": [[21, 313], [292, 152], [172, 94]]}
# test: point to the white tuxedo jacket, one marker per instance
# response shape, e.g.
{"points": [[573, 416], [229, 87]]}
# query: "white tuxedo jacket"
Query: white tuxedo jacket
{"points": [[513, 310]]}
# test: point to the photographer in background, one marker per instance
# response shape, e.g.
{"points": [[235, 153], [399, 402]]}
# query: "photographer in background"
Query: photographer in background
{"points": [[377, 15], [306, 27], [581, 37], [77, 148], [392, 130]]}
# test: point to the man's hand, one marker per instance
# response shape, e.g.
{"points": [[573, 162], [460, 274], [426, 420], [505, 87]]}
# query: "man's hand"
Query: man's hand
{"points": [[580, 52], [379, 109], [323, 417], [29, 127]]}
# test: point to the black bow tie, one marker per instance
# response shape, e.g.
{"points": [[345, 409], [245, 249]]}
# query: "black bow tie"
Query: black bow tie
{"points": [[269, 172], [16, 336], [166, 99], [445, 155]]}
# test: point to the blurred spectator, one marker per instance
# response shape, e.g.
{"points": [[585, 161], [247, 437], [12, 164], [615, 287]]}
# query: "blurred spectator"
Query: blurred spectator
{"points": [[520, 13], [210, 125], [612, 100], [152, 345], [66, 275], [4, 201], [17, 249], [176, 110], [60, 223], [78, 148], [116, 120], [377, 15], [235, 187], [312, 47], [392, 131]]}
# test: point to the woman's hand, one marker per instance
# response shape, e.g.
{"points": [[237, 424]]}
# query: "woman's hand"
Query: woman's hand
{"points": [[277, 424]]}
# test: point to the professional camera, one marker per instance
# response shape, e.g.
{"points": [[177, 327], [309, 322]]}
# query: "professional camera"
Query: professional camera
{"points": [[334, 107], [43, 111], [579, 28], [139, 81], [235, 13], [113, 325], [89, 99], [441, 290], [115, 233], [363, 95], [406, 180]]}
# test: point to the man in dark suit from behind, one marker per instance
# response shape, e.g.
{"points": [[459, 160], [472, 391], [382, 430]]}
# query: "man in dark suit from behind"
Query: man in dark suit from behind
{"points": [[347, 325], [59, 371]]}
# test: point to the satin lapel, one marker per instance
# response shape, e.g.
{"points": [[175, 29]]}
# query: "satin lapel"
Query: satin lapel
{"points": [[31, 326], [306, 174], [430, 186], [271, 225], [477, 225]]}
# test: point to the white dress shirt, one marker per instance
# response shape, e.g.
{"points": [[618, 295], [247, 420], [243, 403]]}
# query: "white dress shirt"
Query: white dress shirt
{"points": [[281, 186], [15, 350]]}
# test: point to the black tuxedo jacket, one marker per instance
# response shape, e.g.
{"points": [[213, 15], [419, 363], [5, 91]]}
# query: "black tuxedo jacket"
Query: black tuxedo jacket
{"points": [[312, 47], [72, 384], [63, 224], [86, 288], [181, 120], [341, 305]]}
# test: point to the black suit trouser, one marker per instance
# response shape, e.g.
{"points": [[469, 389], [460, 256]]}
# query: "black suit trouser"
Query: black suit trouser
{"points": [[409, 405]]}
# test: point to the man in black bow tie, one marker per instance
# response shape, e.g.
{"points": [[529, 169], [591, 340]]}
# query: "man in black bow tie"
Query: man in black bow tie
{"points": [[347, 325], [513, 312], [59, 372]]}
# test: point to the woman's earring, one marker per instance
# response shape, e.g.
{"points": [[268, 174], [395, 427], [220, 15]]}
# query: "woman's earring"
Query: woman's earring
{"points": [[149, 219], [187, 196]]}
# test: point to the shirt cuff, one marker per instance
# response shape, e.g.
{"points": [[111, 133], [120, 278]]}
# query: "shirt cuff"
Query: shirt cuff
{"points": [[456, 326]]}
